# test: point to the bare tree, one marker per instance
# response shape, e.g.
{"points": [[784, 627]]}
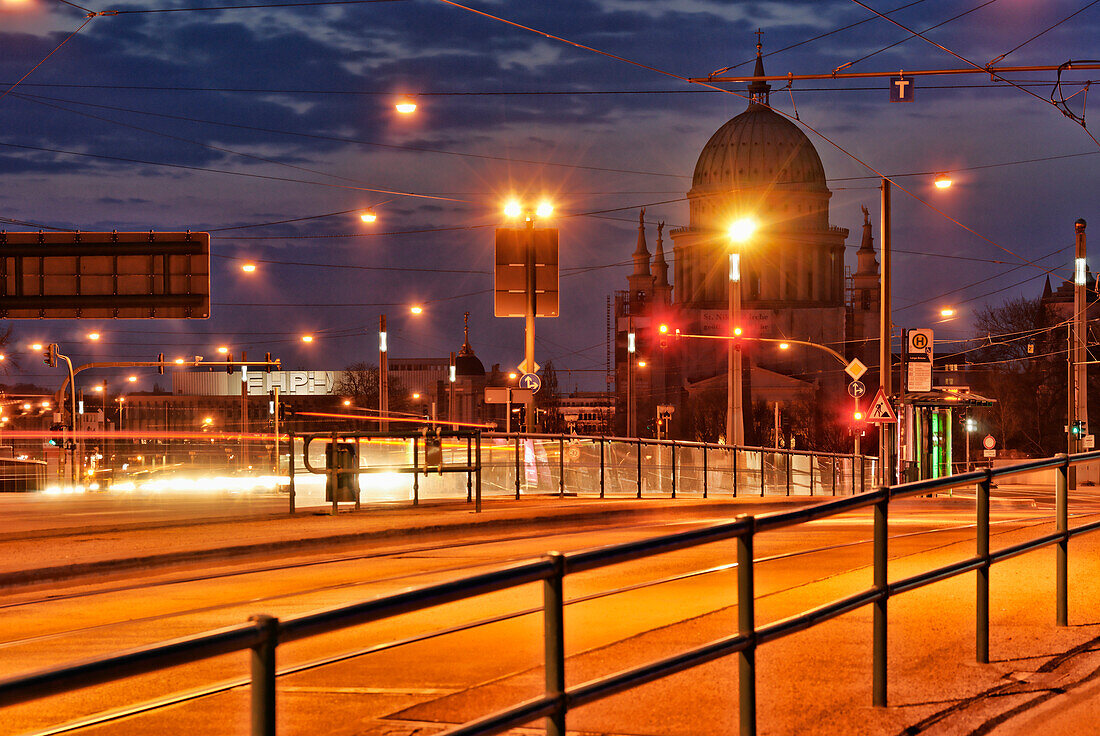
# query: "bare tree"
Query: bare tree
{"points": [[359, 382]]}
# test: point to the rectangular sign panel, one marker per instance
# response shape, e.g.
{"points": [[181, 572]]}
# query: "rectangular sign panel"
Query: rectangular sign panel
{"points": [[901, 89], [83, 275], [499, 395], [510, 274]]}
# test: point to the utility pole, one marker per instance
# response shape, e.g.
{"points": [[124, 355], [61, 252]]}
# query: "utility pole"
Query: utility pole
{"points": [[1079, 369], [244, 412], [451, 376], [276, 425], [885, 356]]}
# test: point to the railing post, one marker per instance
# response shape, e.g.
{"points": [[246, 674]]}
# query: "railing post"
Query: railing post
{"points": [[705, 472], [477, 489], [734, 472], [290, 469], [334, 475], [761, 474], [674, 470], [561, 466], [787, 454], [602, 443], [1061, 513], [639, 467], [554, 642], [469, 474], [517, 466], [832, 465], [881, 584], [746, 626], [811, 460], [982, 608], [263, 676]]}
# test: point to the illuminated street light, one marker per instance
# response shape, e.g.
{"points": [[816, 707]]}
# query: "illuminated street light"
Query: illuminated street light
{"points": [[179, 361], [248, 267], [222, 349], [784, 345], [307, 338], [208, 420], [416, 309], [45, 405], [741, 230], [26, 407], [36, 346], [416, 397], [943, 181], [947, 312], [132, 379], [368, 216], [641, 364], [93, 335], [405, 106], [513, 208], [98, 389], [544, 209], [347, 402]]}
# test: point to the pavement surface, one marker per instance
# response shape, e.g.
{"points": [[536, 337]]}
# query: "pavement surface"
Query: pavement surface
{"points": [[1042, 680]]}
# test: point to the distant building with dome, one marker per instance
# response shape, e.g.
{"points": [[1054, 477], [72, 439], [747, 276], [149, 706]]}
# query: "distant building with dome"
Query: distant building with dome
{"points": [[793, 280]]}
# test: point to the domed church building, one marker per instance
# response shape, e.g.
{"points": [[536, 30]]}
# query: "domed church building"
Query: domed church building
{"points": [[794, 285]]}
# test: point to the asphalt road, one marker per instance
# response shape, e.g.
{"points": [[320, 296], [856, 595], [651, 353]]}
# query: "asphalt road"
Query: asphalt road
{"points": [[814, 682]]}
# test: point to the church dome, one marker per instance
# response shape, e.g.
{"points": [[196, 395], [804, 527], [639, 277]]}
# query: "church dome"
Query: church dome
{"points": [[757, 148], [469, 365]]}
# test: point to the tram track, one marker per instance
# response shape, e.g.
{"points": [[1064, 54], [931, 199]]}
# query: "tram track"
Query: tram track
{"points": [[1016, 524]]}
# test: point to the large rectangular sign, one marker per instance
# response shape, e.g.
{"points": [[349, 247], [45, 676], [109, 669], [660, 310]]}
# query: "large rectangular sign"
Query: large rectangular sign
{"points": [[83, 275], [258, 383], [510, 274]]}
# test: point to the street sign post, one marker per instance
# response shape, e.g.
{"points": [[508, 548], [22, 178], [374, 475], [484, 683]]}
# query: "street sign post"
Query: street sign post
{"points": [[530, 381], [881, 412], [855, 369], [989, 442], [856, 389], [510, 284]]}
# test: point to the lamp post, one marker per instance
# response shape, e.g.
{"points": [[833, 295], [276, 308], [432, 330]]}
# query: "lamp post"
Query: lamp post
{"points": [[1078, 394], [631, 352], [739, 232], [383, 371]]}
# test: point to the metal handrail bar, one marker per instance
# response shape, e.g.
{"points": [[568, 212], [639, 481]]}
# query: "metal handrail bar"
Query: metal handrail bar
{"points": [[415, 599], [1029, 546], [138, 661], [1084, 528], [821, 614], [934, 576]]}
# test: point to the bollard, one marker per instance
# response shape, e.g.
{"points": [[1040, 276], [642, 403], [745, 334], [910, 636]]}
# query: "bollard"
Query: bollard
{"points": [[878, 657], [1061, 513], [554, 642], [561, 466], [517, 466], [263, 676], [735, 472], [705, 472], [639, 468], [746, 626], [416, 472], [982, 608]]}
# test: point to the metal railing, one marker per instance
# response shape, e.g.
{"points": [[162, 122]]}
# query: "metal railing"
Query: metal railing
{"points": [[263, 633], [608, 467]]}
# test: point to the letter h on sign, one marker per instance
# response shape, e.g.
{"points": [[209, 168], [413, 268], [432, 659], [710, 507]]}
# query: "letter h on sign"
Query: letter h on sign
{"points": [[901, 89]]}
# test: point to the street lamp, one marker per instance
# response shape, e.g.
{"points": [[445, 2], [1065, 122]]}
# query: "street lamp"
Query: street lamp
{"points": [[307, 338], [416, 309], [368, 216], [248, 267], [943, 181], [740, 231], [406, 105], [93, 336]]}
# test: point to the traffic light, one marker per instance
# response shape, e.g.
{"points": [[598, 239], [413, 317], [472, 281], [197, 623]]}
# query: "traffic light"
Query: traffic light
{"points": [[57, 435], [49, 355], [160, 363], [1077, 428]]}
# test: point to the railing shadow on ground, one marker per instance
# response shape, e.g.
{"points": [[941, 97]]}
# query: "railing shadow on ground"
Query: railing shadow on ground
{"points": [[262, 634]]}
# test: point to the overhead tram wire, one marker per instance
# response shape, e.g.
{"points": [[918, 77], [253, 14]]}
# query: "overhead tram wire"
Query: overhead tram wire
{"points": [[55, 49], [992, 73], [706, 84], [1043, 32]]}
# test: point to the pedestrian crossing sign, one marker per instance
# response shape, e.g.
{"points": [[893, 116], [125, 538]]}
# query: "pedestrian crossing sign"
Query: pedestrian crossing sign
{"points": [[881, 412]]}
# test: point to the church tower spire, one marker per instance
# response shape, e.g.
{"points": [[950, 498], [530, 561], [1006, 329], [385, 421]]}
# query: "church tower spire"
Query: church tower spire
{"points": [[641, 281], [662, 290], [759, 91]]}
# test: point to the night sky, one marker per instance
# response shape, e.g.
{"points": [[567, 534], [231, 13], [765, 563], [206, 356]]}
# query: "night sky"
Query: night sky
{"points": [[228, 120]]}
